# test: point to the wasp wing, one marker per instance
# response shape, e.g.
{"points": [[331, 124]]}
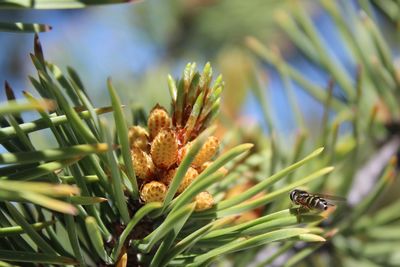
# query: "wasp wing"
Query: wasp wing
{"points": [[329, 197]]}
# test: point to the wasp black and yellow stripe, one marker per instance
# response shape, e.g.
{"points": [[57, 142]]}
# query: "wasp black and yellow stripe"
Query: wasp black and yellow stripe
{"points": [[302, 198]]}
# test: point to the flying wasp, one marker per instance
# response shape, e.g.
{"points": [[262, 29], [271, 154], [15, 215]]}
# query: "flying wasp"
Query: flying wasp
{"points": [[313, 201]]}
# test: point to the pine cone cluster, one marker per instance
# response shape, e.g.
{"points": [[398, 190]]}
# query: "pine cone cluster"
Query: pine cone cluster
{"points": [[158, 150]]}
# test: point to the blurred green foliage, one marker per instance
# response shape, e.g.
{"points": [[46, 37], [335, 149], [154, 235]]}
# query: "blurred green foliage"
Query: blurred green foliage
{"points": [[192, 26]]}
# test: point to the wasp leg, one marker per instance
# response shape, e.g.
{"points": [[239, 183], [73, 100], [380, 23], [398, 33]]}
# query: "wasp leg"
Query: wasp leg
{"points": [[298, 211], [294, 209]]}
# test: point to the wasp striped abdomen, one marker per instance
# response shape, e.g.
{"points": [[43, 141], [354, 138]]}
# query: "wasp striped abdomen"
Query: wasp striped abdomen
{"points": [[310, 201]]}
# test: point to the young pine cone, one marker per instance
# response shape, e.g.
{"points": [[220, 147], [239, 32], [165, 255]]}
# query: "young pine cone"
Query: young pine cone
{"points": [[164, 149], [142, 163], [158, 119], [153, 192], [138, 137], [204, 200], [190, 176], [208, 150]]}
